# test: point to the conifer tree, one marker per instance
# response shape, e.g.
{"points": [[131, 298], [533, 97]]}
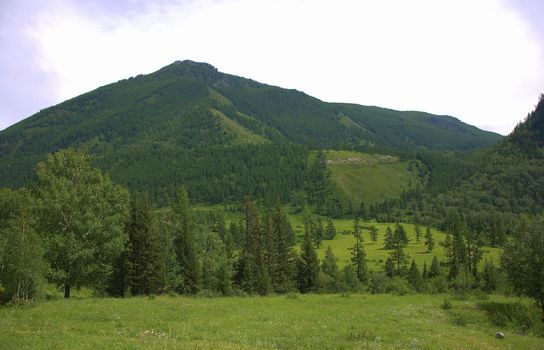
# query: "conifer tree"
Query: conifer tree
{"points": [[363, 212], [418, 233], [474, 244], [399, 257], [252, 272], [429, 240], [282, 265], [400, 231], [373, 233], [184, 242], [435, 269], [414, 276], [358, 255], [424, 272], [330, 230], [455, 252], [388, 239], [389, 267], [308, 264], [145, 265], [329, 265]]}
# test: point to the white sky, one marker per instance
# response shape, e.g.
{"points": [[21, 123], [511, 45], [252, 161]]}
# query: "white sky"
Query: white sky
{"points": [[480, 61]]}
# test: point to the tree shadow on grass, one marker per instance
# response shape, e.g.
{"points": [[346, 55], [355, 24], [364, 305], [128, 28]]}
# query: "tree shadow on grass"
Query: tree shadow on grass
{"points": [[523, 318]]}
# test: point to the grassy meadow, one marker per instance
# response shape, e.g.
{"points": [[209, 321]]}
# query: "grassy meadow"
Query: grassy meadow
{"points": [[277, 322]]}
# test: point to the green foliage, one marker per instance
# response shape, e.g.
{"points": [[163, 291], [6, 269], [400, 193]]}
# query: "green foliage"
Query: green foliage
{"points": [[22, 267], [523, 259], [308, 264], [429, 240], [358, 255], [81, 216]]}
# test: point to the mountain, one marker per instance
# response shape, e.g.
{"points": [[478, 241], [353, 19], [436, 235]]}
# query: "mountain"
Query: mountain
{"points": [[154, 132]]}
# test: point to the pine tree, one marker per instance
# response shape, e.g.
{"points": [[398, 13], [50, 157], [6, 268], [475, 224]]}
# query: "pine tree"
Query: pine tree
{"points": [[330, 230], [399, 257], [401, 233], [425, 272], [145, 264], [435, 269], [184, 242], [389, 267], [474, 244], [308, 265], [418, 233], [319, 232], [358, 255], [282, 265], [414, 277], [388, 239], [363, 212], [329, 264], [429, 240], [455, 252], [373, 233]]}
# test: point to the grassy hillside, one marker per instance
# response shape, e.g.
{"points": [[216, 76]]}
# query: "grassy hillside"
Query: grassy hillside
{"points": [[375, 253], [369, 177], [282, 322]]}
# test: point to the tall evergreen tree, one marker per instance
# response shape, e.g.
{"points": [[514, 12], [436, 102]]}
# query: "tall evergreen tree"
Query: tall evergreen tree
{"points": [[184, 242], [414, 276], [308, 264], [399, 257], [418, 233], [389, 267], [400, 231], [388, 242], [373, 233], [429, 240], [282, 264], [455, 252], [489, 277], [330, 231], [435, 269], [329, 265], [358, 255], [145, 265]]}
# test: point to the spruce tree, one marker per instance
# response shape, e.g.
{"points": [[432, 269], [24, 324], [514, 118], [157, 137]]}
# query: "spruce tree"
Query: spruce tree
{"points": [[329, 265], [308, 264], [389, 267], [435, 269], [400, 231], [418, 233], [429, 240], [424, 272], [388, 239], [282, 264], [358, 255], [330, 230], [373, 233], [184, 242], [414, 277], [399, 257], [145, 264]]}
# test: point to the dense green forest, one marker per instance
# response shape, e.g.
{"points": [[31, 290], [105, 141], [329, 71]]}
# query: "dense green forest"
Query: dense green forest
{"points": [[188, 124]]}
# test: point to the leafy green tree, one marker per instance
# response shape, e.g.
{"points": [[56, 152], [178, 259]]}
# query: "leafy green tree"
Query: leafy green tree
{"points": [[330, 231], [184, 242], [22, 266], [456, 253], [358, 255], [308, 265], [489, 276], [523, 259], [399, 257], [474, 244], [401, 233], [82, 215], [425, 271], [429, 240]]}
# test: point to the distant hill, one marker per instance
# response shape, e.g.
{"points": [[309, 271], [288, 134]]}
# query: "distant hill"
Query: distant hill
{"points": [[190, 124]]}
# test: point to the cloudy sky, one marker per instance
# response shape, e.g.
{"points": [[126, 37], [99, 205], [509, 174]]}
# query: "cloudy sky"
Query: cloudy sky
{"points": [[481, 61]]}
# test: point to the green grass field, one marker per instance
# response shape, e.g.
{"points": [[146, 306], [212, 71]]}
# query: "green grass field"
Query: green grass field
{"points": [[368, 177], [278, 322]]}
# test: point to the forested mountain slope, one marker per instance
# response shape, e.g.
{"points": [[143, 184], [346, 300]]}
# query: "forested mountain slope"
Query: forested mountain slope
{"points": [[191, 124]]}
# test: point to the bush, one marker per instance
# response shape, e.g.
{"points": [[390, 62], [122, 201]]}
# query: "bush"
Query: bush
{"points": [[524, 318], [446, 305], [437, 285]]}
